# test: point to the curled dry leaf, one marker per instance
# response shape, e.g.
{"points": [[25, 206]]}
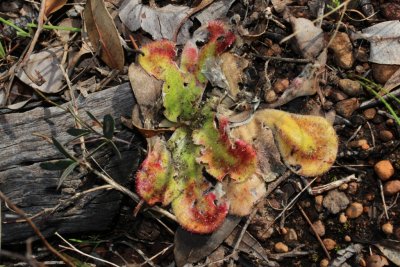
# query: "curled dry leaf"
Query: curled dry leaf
{"points": [[309, 38], [161, 23], [147, 91], [103, 34], [308, 144], [232, 66], [53, 5], [42, 70]]}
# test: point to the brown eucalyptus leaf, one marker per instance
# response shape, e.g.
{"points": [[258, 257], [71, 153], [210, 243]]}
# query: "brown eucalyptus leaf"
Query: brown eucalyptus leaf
{"points": [[103, 34], [190, 248], [53, 5], [147, 91], [232, 66], [42, 70]]}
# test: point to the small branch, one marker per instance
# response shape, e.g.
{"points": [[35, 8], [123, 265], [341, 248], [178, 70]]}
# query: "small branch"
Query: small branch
{"points": [[383, 199], [73, 248], [314, 231], [36, 230], [327, 187]]}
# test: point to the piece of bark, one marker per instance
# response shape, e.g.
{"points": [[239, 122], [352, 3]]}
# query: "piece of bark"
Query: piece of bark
{"points": [[33, 189]]}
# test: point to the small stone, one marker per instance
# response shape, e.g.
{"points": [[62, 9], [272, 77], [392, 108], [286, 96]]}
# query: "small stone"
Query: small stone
{"points": [[281, 85], [386, 135], [280, 247], [369, 113], [384, 169], [291, 236], [346, 107], [343, 187], [390, 122], [391, 187], [337, 95], [335, 201], [329, 243], [284, 231], [382, 72], [391, 11], [376, 261], [387, 228], [350, 87], [365, 147], [342, 50], [358, 143], [362, 262], [347, 238], [324, 263], [270, 96], [360, 69], [319, 227], [342, 218], [354, 210], [353, 187]]}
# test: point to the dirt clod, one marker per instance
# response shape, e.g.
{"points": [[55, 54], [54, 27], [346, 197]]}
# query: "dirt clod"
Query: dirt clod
{"points": [[386, 135], [319, 227], [346, 107], [354, 210], [281, 247], [329, 243], [384, 169], [350, 87], [342, 50], [369, 113], [335, 201], [391, 187]]}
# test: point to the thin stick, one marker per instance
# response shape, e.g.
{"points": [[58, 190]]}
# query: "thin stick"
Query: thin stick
{"points": [[285, 59], [158, 254], [383, 199], [36, 230], [36, 36], [315, 232], [72, 247]]}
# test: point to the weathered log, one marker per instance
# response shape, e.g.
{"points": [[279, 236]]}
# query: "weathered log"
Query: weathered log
{"points": [[34, 189]]}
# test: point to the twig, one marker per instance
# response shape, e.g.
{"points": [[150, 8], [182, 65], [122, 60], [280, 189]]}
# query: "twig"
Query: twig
{"points": [[73, 248], [36, 230], [372, 134], [293, 253], [374, 102], [383, 199], [315, 232], [335, 184], [285, 59], [35, 37], [158, 254], [147, 260]]}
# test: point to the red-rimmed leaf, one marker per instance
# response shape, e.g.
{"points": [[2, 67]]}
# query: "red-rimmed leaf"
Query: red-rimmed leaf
{"points": [[199, 212], [154, 179], [158, 57], [221, 155]]}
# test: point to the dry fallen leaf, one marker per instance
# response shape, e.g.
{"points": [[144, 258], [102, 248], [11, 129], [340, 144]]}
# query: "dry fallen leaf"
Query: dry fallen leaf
{"points": [[42, 70], [53, 5], [232, 66], [383, 38], [309, 38], [103, 34], [161, 23], [147, 91]]}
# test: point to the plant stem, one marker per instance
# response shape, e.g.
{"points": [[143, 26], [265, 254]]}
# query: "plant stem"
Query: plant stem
{"points": [[52, 27]]}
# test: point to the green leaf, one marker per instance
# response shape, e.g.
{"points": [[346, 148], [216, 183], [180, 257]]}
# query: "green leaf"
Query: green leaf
{"points": [[61, 148], [67, 172], [56, 165], [77, 132], [93, 117], [108, 126]]}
